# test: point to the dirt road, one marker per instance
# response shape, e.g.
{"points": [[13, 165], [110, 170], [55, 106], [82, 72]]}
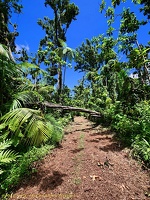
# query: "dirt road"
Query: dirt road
{"points": [[88, 165]]}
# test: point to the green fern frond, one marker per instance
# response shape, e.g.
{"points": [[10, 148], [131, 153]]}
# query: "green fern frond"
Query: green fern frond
{"points": [[7, 156], [5, 144], [57, 128]]}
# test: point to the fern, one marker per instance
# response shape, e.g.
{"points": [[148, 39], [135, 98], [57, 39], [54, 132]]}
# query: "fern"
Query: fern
{"points": [[6, 155], [5, 144]]}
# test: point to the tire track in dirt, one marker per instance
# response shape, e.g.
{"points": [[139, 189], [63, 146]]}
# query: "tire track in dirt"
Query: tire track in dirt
{"points": [[88, 165]]}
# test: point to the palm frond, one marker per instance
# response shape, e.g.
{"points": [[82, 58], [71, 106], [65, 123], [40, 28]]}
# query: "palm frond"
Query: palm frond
{"points": [[16, 104], [30, 68], [3, 51], [46, 91], [26, 65], [25, 85], [2, 126], [38, 133], [5, 144], [7, 156], [24, 98], [30, 122]]}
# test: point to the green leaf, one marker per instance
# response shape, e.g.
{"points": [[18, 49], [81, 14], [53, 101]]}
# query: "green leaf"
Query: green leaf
{"points": [[29, 65], [5, 144], [7, 156], [31, 122], [3, 51], [102, 6], [2, 126]]}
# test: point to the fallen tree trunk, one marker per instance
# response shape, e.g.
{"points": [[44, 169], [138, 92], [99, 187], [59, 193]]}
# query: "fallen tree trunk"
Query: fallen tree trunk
{"points": [[58, 106]]}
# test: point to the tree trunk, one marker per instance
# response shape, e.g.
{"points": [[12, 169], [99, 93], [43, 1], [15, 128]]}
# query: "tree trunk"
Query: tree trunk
{"points": [[58, 106]]}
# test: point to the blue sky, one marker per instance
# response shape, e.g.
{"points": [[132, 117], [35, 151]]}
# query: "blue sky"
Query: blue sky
{"points": [[90, 22]]}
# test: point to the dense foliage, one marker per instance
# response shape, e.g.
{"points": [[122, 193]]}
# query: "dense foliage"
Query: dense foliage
{"points": [[28, 130], [110, 62]]}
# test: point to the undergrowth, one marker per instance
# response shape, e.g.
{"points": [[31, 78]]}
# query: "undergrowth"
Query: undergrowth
{"points": [[22, 168], [132, 127]]}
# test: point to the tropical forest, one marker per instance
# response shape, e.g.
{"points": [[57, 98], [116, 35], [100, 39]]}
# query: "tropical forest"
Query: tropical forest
{"points": [[91, 141]]}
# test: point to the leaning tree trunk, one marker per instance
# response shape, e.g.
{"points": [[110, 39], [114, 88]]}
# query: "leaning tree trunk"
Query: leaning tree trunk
{"points": [[71, 108]]}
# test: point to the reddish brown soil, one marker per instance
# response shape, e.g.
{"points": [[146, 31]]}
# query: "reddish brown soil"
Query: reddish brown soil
{"points": [[88, 165]]}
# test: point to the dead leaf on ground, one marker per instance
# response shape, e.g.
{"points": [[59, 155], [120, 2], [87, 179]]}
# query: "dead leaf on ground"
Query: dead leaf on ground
{"points": [[94, 177], [100, 164]]}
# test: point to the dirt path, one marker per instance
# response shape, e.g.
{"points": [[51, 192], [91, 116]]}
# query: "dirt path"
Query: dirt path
{"points": [[89, 165]]}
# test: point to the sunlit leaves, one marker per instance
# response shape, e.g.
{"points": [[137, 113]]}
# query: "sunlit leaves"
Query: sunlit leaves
{"points": [[102, 6], [129, 22], [110, 31], [126, 43], [3, 51], [30, 122], [110, 12], [25, 98], [136, 1], [138, 57], [146, 7], [115, 3], [6, 155]]}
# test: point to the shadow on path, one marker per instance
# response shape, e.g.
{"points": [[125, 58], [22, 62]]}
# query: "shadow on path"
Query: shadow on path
{"points": [[52, 181]]}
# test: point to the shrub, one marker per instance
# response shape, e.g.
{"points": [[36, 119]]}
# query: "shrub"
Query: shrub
{"points": [[141, 150], [22, 167], [132, 126]]}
